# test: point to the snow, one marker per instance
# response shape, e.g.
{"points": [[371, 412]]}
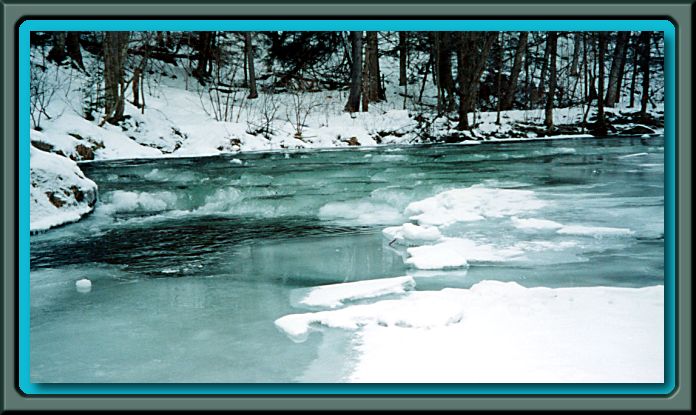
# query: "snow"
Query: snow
{"points": [[84, 285], [57, 181], [458, 252], [472, 204], [412, 232], [334, 295], [503, 332], [593, 230], [535, 223]]}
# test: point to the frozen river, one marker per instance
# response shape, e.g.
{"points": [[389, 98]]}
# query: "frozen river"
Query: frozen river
{"points": [[192, 260]]}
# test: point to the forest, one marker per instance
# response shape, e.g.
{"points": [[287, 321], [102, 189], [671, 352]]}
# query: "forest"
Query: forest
{"points": [[469, 71]]}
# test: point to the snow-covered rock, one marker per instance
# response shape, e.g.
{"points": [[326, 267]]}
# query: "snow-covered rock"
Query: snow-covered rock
{"points": [[60, 193]]}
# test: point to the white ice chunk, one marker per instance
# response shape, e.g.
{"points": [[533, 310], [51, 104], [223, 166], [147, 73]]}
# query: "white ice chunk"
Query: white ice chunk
{"points": [[535, 223], [593, 230], [409, 231], [84, 285], [458, 252], [335, 295], [419, 309], [472, 204]]}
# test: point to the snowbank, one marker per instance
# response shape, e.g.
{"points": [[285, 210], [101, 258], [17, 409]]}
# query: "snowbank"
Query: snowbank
{"points": [[59, 193], [503, 332]]}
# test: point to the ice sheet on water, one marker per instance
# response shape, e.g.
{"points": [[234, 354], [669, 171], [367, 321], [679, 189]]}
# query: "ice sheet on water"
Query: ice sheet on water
{"points": [[413, 233], [532, 223], [596, 231], [334, 295], [419, 309], [472, 204], [458, 252]]}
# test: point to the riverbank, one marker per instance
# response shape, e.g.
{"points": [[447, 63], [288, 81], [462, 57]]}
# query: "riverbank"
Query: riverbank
{"points": [[178, 120]]}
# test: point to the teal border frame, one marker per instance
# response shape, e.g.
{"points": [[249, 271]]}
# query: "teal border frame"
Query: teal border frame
{"points": [[25, 386]]}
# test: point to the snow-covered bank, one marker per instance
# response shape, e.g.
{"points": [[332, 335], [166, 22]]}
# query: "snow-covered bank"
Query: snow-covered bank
{"points": [[503, 332], [177, 118], [59, 193]]}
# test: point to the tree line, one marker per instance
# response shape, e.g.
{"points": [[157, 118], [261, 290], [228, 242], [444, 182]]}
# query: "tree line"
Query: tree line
{"points": [[471, 71]]}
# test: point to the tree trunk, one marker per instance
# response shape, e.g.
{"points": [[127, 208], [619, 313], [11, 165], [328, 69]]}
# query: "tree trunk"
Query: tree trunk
{"points": [[204, 55], [115, 52], [403, 51], [57, 52], [356, 69], [515, 72], [374, 91], [72, 46], [576, 54], [601, 127], [544, 66], [500, 77], [445, 83], [136, 87], [617, 63], [636, 53], [249, 47], [622, 70], [645, 66], [551, 43], [472, 54]]}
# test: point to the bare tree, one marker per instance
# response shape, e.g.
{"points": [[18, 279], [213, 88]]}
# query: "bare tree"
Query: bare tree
{"points": [[616, 71], [42, 88], [551, 47], [356, 71], [301, 107], [249, 49], [115, 52], [473, 49], [373, 91], [576, 54], [645, 66], [261, 117], [601, 127], [515, 72], [57, 52], [403, 52], [73, 50]]}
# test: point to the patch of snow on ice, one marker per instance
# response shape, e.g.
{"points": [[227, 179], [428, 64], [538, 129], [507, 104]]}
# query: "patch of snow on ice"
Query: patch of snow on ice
{"points": [[472, 204], [334, 295], [535, 223], [593, 230], [458, 252], [411, 232]]}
